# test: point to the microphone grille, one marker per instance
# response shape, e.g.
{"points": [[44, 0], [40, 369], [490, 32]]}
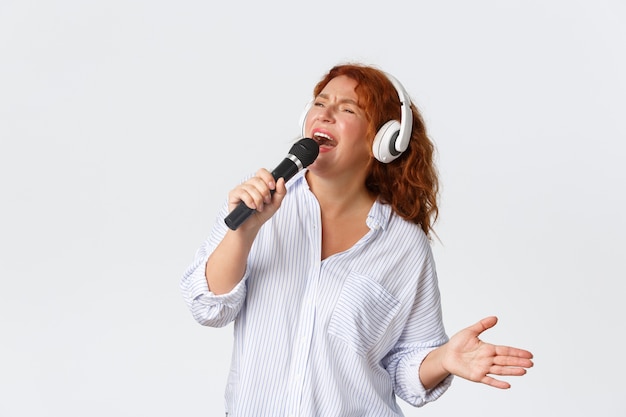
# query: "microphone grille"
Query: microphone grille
{"points": [[306, 150]]}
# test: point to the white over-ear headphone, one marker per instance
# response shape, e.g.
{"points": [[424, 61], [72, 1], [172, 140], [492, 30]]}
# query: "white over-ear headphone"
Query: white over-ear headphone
{"points": [[393, 137]]}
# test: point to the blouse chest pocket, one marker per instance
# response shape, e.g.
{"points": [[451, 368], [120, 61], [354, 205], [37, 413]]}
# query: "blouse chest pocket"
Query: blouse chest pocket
{"points": [[363, 312]]}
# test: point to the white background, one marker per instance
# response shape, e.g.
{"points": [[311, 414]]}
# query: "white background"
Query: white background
{"points": [[124, 123]]}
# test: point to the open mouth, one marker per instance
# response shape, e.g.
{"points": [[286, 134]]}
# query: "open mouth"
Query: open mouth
{"points": [[323, 139]]}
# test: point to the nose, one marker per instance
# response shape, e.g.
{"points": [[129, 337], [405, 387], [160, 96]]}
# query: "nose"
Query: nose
{"points": [[317, 115], [325, 114]]}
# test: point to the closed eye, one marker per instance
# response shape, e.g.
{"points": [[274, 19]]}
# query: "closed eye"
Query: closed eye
{"points": [[344, 107]]}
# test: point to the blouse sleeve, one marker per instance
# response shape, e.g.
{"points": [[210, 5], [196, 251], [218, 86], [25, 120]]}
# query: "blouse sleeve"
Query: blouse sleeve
{"points": [[423, 332], [207, 308]]}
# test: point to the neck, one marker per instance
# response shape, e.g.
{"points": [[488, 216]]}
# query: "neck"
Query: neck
{"points": [[340, 196]]}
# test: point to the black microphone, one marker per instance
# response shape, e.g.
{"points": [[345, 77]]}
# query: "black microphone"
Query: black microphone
{"points": [[301, 155]]}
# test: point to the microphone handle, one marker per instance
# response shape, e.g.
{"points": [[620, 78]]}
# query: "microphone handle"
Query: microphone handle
{"points": [[286, 169]]}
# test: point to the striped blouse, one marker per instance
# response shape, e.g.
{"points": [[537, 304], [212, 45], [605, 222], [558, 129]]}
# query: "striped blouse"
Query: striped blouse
{"points": [[343, 336]]}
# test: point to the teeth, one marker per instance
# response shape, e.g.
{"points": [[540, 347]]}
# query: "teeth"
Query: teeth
{"points": [[322, 135], [323, 138]]}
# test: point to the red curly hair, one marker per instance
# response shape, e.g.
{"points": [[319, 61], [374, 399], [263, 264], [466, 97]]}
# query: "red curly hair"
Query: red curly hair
{"points": [[409, 183]]}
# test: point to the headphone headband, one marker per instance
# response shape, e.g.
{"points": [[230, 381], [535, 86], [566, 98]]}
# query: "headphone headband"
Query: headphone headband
{"points": [[406, 115]]}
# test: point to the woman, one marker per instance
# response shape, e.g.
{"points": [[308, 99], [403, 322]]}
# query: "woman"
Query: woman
{"points": [[335, 296]]}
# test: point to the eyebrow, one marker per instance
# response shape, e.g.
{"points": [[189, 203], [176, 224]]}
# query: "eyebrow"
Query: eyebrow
{"points": [[343, 100]]}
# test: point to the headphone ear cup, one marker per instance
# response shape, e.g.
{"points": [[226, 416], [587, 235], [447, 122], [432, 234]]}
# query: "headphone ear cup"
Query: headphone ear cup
{"points": [[302, 120], [384, 146]]}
